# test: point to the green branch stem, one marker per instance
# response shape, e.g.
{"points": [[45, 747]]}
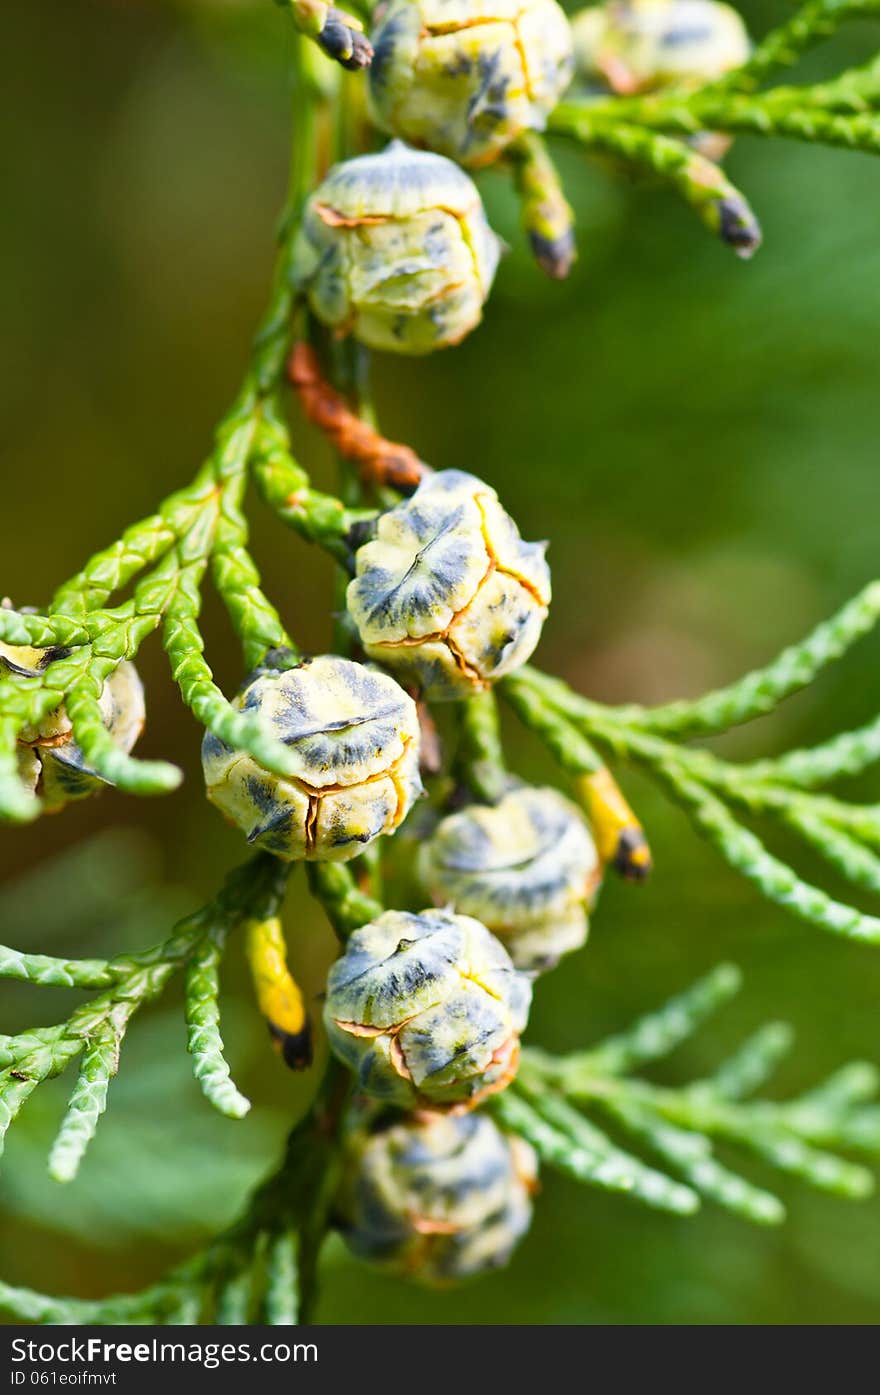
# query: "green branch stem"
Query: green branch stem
{"points": [[346, 906], [479, 757]]}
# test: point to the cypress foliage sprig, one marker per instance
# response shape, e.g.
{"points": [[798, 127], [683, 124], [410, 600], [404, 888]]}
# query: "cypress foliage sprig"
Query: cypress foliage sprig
{"points": [[264, 1267], [717, 202], [813, 22], [204, 1041], [261, 1269], [566, 1141], [650, 132], [680, 1126], [716, 793], [95, 1031], [166, 557]]}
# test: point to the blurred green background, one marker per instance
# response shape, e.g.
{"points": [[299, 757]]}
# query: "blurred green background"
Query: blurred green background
{"points": [[696, 436]]}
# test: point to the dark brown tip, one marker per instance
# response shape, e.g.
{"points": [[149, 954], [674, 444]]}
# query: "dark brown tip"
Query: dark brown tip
{"points": [[555, 256], [350, 48], [739, 227], [632, 860], [294, 1048]]}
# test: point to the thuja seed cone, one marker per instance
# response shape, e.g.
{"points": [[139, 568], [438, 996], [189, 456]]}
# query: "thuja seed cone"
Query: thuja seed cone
{"points": [[527, 867], [466, 77], [633, 46], [448, 594], [427, 1009], [395, 249], [437, 1199], [353, 738], [49, 760]]}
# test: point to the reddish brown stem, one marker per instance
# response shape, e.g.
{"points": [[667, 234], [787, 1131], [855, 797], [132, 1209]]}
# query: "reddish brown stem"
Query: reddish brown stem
{"points": [[378, 460]]}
